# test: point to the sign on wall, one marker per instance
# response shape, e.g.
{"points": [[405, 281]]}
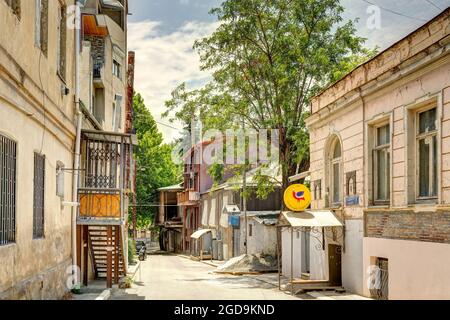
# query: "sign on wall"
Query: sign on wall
{"points": [[297, 197]]}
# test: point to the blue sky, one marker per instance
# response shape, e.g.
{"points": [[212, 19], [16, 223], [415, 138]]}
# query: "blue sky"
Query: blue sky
{"points": [[162, 33]]}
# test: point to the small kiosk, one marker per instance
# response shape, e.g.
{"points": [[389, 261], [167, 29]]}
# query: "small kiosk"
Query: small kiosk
{"points": [[316, 227]]}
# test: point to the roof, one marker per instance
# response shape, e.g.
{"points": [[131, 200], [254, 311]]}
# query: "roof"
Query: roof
{"points": [[231, 209], [312, 219], [176, 187], [200, 233], [116, 137], [267, 220], [112, 4], [386, 60]]}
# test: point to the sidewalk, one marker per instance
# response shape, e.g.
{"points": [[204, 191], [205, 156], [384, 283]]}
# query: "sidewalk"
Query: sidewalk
{"points": [[96, 290], [272, 279]]}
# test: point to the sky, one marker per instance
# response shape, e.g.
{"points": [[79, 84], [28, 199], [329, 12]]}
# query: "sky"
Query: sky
{"points": [[162, 33]]}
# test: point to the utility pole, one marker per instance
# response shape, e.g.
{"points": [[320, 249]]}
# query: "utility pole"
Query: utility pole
{"points": [[244, 189]]}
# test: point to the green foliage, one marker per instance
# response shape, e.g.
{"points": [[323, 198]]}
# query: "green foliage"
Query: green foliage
{"points": [[268, 59], [216, 171], [155, 168], [131, 252]]}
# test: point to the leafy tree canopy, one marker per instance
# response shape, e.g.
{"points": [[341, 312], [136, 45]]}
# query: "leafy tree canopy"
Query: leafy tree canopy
{"points": [[268, 59], [155, 168]]}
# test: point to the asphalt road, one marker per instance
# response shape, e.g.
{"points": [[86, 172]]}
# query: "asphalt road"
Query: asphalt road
{"points": [[167, 277]]}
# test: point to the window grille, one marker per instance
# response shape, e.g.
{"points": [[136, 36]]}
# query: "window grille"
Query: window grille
{"points": [[8, 150]]}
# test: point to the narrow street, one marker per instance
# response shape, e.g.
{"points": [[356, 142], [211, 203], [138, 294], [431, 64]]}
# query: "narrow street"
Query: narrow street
{"points": [[168, 277]]}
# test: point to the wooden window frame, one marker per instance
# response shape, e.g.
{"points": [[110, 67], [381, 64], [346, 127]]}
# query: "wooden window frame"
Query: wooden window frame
{"points": [[39, 196], [419, 137], [332, 162], [379, 147]]}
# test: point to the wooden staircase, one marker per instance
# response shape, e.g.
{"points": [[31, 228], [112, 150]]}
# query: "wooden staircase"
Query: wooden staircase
{"points": [[100, 246]]}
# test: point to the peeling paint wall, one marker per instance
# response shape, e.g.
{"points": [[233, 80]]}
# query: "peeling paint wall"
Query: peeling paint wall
{"points": [[36, 268]]}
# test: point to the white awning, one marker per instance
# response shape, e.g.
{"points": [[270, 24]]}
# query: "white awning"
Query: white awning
{"points": [[200, 233], [312, 219]]}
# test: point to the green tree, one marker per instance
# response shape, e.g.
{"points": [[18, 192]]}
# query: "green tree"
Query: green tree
{"points": [[268, 59], [155, 168]]}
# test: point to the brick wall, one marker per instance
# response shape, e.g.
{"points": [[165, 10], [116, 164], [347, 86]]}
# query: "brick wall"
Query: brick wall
{"points": [[408, 225]]}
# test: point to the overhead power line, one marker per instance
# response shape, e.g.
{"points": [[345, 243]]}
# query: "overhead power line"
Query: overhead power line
{"points": [[394, 12], [434, 5]]}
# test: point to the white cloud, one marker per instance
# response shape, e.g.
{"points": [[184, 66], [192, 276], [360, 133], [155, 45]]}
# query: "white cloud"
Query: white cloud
{"points": [[165, 61]]}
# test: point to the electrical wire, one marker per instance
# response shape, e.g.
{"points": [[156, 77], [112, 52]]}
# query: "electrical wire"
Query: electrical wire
{"points": [[394, 12], [434, 5]]}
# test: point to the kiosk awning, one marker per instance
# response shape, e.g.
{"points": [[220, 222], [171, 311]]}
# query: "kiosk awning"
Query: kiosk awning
{"points": [[200, 233], [312, 219]]}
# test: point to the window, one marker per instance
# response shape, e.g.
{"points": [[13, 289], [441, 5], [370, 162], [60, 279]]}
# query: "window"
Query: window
{"points": [[118, 115], [382, 165], [114, 116], [15, 6], [8, 150], [335, 170], [318, 189], [426, 144], [41, 25], [351, 183], [61, 42], [117, 69], [38, 196], [250, 230]]}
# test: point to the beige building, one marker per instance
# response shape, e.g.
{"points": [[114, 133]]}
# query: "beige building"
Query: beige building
{"points": [[37, 134], [380, 159], [46, 205]]}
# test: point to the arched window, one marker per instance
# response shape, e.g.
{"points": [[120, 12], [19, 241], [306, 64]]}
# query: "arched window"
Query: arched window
{"points": [[335, 170]]}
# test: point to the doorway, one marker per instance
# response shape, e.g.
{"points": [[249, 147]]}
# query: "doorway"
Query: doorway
{"points": [[380, 280], [335, 265]]}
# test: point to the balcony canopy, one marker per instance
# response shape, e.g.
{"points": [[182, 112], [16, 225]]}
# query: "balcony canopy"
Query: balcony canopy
{"points": [[112, 4], [112, 137], [200, 233], [312, 219]]}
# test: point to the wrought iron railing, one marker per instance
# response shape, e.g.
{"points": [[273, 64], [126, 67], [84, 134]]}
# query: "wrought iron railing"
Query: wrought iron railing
{"points": [[106, 174]]}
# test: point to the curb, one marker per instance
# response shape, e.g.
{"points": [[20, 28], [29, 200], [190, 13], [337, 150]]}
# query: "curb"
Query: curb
{"points": [[105, 295]]}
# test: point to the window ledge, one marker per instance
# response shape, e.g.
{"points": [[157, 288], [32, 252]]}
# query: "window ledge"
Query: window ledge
{"points": [[8, 246]]}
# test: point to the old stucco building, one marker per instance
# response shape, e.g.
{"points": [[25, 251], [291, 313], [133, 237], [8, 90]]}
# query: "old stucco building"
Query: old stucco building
{"points": [[37, 133], [380, 159], [38, 137]]}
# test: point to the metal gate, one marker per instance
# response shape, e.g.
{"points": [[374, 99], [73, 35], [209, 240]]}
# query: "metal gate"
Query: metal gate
{"points": [[380, 280]]}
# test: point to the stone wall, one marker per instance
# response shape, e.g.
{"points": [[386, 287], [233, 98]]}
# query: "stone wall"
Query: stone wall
{"points": [[408, 225]]}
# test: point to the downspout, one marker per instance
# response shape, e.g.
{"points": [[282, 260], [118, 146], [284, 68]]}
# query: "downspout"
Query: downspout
{"points": [[76, 166]]}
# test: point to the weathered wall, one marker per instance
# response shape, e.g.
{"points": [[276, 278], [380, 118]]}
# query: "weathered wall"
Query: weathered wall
{"points": [[417, 270], [36, 269], [378, 93]]}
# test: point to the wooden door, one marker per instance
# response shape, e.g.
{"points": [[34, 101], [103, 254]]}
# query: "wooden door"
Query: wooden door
{"points": [[335, 264]]}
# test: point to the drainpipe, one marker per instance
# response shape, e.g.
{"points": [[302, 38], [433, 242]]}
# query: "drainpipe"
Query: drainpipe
{"points": [[76, 166]]}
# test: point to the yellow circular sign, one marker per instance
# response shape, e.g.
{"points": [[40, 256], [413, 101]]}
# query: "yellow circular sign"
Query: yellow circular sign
{"points": [[297, 197]]}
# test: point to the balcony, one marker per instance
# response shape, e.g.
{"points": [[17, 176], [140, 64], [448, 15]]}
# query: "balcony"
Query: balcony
{"points": [[188, 198], [106, 177], [98, 75]]}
